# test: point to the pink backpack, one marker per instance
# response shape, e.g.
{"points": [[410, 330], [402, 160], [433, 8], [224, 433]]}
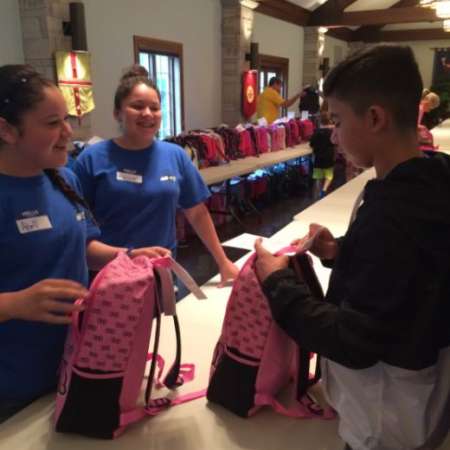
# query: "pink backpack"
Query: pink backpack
{"points": [[106, 350], [306, 129], [295, 132], [254, 359], [262, 138], [245, 143]]}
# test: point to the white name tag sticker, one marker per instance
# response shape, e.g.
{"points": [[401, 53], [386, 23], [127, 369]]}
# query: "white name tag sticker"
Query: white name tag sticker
{"points": [[32, 224], [130, 177]]}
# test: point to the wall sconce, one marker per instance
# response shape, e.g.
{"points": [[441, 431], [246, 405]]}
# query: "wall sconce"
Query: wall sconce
{"points": [[253, 56], [76, 27]]}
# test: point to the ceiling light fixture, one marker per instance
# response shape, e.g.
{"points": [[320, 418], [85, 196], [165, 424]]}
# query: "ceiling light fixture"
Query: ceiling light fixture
{"points": [[443, 10], [442, 7]]}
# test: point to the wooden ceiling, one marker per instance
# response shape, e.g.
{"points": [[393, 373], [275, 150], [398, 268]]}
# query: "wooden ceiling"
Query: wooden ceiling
{"points": [[370, 23]]}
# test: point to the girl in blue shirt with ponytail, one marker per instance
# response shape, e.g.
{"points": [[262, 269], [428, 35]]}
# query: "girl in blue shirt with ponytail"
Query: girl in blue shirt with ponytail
{"points": [[134, 183], [47, 239]]}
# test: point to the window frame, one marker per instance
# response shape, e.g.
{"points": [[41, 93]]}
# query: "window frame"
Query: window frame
{"points": [[168, 48]]}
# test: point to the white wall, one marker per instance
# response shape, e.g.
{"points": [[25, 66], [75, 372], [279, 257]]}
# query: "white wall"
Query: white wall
{"points": [[332, 49], [196, 24], [282, 39], [11, 45], [424, 53]]}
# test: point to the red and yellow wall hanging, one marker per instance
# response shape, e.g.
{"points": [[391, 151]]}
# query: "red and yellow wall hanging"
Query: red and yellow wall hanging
{"points": [[249, 92], [73, 70]]}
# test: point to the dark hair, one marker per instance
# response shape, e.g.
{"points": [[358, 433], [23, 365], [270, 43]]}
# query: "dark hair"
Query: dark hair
{"points": [[59, 182], [21, 89], [325, 118], [275, 80], [132, 77], [383, 74]]}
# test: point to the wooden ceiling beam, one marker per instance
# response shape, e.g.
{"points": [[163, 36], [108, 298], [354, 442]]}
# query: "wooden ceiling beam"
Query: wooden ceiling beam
{"points": [[376, 17], [403, 35], [342, 33], [369, 29], [284, 10], [333, 8]]}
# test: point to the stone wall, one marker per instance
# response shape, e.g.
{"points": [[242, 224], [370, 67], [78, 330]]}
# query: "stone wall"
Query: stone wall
{"points": [[311, 59], [237, 24], [42, 30]]}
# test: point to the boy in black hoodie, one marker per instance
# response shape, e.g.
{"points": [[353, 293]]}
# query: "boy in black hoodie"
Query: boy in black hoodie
{"points": [[384, 329]]}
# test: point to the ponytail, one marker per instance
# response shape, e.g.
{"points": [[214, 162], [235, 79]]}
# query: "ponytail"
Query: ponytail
{"points": [[59, 182]]}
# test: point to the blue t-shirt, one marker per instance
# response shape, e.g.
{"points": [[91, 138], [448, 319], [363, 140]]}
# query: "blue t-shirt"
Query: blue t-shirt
{"points": [[42, 235], [134, 194]]}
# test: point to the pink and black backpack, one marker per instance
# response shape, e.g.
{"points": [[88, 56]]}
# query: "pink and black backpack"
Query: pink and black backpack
{"points": [[255, 359], [101, 387]]}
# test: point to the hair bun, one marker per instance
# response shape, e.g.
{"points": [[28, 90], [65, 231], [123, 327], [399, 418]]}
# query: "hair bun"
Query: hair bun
{"points": [[135, 71]]}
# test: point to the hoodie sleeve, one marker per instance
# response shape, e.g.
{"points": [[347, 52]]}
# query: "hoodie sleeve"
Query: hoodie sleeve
{"points": [[357, 329]]}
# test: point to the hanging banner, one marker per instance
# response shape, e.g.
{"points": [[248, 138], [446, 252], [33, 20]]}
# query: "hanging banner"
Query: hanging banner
{"points": [[441, 68], [249, 93], [73, 70]]}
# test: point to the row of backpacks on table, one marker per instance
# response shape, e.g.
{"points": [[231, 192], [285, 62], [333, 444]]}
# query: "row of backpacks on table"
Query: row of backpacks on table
{"points": [[258, 189], [222, 144]]}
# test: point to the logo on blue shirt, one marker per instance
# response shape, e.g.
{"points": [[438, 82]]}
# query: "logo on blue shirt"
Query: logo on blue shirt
{"points": [[171, 178]]}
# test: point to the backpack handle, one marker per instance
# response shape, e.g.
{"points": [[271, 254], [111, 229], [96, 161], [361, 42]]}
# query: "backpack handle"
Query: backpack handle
{"points": [[182, 274], [76, 321]]}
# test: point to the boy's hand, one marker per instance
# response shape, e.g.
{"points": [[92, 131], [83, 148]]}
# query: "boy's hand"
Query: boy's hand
{"points": [[266, 263], [323, 243], [42, 302]]}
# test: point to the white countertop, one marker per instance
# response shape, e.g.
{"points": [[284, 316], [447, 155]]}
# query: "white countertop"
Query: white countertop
{"points": [[196, 425], [217, 174]]}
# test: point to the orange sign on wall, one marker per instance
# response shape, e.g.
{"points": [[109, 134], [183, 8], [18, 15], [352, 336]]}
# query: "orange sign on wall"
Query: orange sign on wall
{"points": [[249, 93]]}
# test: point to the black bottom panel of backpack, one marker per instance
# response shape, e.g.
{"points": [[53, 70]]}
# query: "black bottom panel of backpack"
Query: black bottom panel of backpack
{"points": [[91, 407], [232, 385]]}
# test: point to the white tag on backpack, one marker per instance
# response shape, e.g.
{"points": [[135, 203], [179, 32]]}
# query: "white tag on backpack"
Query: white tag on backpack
{"points": [[31, 224]]}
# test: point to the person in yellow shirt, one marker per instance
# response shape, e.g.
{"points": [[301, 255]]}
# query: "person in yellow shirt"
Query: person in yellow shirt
{"points": [[270, 101]]}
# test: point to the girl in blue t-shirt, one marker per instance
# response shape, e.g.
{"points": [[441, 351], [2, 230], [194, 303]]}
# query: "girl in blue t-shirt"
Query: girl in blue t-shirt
{"points": [[46, 237], [135, 183]]}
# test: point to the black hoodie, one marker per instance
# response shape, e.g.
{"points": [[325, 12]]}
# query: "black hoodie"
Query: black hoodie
{"points": [[389, 293]]}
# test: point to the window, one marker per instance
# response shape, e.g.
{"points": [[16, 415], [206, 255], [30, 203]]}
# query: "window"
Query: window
{"points": [[164, 61], [274, 66]]}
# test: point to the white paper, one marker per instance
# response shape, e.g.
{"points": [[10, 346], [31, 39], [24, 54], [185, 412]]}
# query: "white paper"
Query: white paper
{"points": [[305, 115], [246, 241], [291, 115]]}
